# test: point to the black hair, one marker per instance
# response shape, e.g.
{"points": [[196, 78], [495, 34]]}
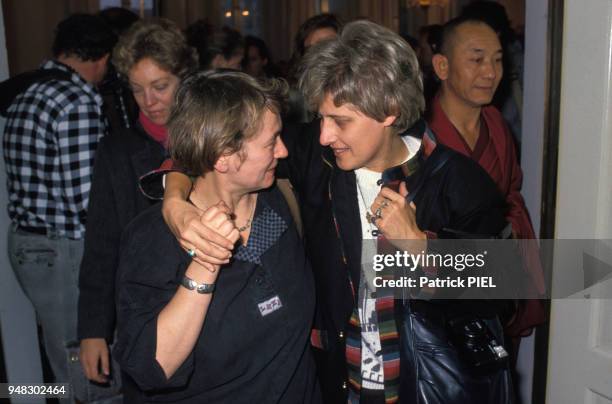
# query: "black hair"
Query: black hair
{"points": [[434, 36], [494, 14], [448, 31], [412, 41], [119, 19], [258, 43], [312, 24], [210, 42], [85, 36]]}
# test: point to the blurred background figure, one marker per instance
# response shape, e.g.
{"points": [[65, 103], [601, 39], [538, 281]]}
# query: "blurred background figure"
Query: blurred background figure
{"points": [[52, 130], [429, 39], [119, 105], [152, 57], [312, 31], [119, 19], [217, 48], [257, 60], [315, 29]]}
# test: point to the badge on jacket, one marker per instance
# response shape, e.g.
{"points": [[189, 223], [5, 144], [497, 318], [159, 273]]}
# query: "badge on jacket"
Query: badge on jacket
{"points": [[270, 306]]}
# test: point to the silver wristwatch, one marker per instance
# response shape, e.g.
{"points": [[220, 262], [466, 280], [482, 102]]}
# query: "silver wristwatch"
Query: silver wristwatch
{"points": [[202, 288]]}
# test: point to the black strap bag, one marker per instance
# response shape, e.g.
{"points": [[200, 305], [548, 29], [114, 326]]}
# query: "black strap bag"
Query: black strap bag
{"points": [[448, 359], [11, 88]]}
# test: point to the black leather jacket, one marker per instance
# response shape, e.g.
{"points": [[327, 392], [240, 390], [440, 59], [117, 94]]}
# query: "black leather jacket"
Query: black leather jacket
{"points": [[460, 196]]}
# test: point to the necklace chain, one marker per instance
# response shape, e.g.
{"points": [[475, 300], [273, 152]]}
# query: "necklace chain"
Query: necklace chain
{"points": [[373, 229], [248, 223]]}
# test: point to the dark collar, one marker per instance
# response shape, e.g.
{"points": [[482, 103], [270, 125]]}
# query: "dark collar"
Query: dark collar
{"points": [[267, 226], [419, 130]]}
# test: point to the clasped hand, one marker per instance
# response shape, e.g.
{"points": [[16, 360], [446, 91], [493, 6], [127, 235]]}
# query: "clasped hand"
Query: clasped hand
{"points": [[210, 234], [395, 217]]}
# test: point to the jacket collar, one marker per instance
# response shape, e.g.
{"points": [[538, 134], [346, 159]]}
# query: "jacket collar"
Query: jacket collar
{"points": [[343, 196], [76, 78], [141, 157]]}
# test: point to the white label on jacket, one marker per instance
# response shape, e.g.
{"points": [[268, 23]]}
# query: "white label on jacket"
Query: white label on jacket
{"points": [[270, 305]]}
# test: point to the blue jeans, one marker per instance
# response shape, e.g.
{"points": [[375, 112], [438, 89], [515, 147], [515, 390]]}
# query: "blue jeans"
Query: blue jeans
{"points": [[47, 268]]}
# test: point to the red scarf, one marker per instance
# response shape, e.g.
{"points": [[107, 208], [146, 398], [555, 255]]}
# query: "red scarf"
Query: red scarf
{"points": [[158, 132]]}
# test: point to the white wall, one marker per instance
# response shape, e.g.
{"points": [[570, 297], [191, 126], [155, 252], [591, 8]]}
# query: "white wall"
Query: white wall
{"points": [[580, 350], [17, 321], [584, 197]]}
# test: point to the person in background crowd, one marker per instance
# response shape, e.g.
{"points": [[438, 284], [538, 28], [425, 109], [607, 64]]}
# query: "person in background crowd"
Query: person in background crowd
{"points": [[469, 66], [153, 57], [50, 138], [119, 105], [237, 333], [412, 41], [509, 96], [217, 48], [312, 31], [257, 61], [119, 19], [429, 38]]}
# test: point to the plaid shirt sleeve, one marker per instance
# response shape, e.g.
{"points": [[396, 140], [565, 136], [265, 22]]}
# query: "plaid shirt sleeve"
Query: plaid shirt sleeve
{"points": [[78, 132]]}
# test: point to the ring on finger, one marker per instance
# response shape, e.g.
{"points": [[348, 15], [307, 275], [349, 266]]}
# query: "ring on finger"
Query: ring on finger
{"points": [[191, 252], [384, 204], [371, 218]]}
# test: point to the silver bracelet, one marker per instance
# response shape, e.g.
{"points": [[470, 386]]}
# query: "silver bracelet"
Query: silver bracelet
{"points": [[202, 288]]}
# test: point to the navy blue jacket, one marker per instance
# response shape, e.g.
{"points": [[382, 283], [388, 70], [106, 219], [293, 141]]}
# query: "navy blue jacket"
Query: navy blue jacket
{"points": [[114, 200], [243, 355]]}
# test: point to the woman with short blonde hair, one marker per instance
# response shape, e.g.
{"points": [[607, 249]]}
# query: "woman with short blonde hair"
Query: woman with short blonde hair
{"points": [[237, 331]]}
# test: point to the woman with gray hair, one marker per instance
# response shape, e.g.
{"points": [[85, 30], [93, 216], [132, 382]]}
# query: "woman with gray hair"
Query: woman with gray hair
{"points": [[230, 333]]}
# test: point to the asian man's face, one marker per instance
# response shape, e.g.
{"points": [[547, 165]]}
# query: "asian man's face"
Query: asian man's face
{"points": [[472, 69]]}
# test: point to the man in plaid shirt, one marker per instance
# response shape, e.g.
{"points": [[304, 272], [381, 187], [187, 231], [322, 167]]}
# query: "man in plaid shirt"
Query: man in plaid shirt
{"points": [[50, 138]]}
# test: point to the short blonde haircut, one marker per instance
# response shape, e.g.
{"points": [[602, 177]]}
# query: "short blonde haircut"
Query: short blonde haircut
{"points": [[161, 41], [214, 112]]}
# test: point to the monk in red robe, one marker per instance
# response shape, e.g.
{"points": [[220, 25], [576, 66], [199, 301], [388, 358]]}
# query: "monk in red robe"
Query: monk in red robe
{"points": [[469, 67]]}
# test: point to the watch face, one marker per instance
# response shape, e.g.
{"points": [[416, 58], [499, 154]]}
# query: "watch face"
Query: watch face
{"points": [[206, 288], [189, 283]]}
